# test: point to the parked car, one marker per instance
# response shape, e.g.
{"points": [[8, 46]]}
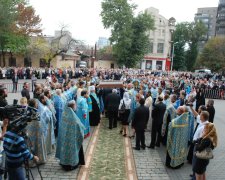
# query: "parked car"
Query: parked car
{"points": [[207, 71]]}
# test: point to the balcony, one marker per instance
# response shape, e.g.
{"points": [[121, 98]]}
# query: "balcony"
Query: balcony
{"points": [[221, 18], [221, 24]]}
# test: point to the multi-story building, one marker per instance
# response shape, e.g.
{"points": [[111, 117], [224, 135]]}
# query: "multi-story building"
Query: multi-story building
{"points": [[220, 22], [208, 17], [103, 42], [159, 50]]}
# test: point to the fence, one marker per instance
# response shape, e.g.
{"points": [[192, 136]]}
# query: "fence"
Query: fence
{"points": [[9, 86], [209, 93], [214, 94]]}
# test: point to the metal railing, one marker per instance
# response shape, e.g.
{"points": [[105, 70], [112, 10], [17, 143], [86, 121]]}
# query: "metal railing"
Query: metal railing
{"points": [[9, 86], [214, 94]]}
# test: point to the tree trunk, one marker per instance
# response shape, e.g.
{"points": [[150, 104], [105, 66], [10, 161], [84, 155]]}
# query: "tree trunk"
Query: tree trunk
{"points": [[0, 60], [3, 58]]}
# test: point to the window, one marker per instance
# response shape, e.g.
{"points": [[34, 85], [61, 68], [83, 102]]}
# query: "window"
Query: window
{"points": [[150, 49], [44, 63], [112, 66], [27, 62], [163, 32], [12, 61], [148, 64], [160, 48], [159, 32], [158, 65]]}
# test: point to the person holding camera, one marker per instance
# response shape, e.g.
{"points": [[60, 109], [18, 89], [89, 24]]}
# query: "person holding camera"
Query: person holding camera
{"points": [[198, 129], [16, 153]]}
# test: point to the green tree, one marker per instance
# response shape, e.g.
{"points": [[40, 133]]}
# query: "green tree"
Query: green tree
{"points": [[18, 22], [180, 38], [213, 55], [187, 34], [8, 14], [196, 32], [128, 33]]}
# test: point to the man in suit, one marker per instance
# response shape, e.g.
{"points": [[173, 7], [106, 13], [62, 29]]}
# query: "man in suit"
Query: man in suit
{"points": [[3, 95], [25, 92], [112, 105], [15, 80], [157, 116], [139, 123]]}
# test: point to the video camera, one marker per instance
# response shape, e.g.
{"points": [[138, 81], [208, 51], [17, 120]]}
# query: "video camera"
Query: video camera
{"points": [[18, 116]]}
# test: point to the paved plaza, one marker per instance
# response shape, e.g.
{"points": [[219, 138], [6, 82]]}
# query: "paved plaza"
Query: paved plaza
{"points": [[110, 156]]}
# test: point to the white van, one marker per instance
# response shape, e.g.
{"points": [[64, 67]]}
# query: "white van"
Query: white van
{"points": [[207, 71], [83, 64]]}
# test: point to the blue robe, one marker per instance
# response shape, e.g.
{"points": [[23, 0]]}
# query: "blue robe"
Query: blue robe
{"points": [[70, 94], [170, 111], [59, 104], [177, 139], [82, 109], [40, 133], [71, 136], [191, 126], [89, 101], [134, 105], [46, 118], [50, 105]]}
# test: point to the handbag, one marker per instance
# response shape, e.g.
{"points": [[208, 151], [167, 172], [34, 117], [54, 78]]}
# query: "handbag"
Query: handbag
{"points": [[123, 108], [207, 153]]}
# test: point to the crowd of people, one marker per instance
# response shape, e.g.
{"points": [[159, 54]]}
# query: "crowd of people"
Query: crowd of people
{"points": [[171, 106]]}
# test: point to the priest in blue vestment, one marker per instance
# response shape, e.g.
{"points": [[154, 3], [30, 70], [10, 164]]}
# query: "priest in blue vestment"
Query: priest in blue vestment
{"points": [[177, 139], [71, 135], [169, 114], [37, 131], [83, 111], [59, 104], [47, 115]]}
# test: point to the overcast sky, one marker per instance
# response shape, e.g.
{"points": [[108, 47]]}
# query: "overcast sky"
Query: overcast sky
{"points": [[84, 22]]}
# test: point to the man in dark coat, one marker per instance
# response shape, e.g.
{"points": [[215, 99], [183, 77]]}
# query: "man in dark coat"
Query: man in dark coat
{"points": [[25, 92], [139, 123], [112, 105], [15, 80], [211, 110], [3, 95], [157, 121]]}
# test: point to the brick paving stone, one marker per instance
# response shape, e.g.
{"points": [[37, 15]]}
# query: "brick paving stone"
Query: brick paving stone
{"points": [[151, 162], [156, 170], [52, 169]]}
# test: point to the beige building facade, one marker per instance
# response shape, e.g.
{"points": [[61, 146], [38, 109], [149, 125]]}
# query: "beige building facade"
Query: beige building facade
{"points": [[159, 50], [106, 64]]}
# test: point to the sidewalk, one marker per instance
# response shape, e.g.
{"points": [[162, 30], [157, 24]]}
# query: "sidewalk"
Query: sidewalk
{"points": [[52, 170]]}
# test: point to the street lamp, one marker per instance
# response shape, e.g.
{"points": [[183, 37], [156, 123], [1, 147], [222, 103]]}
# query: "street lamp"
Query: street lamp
{"points": [[172, 23], [172, 55]]}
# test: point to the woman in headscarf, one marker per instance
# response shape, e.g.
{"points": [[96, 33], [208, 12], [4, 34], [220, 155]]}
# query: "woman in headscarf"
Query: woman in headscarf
{"points": [[71, 135], [125, 105], [208, 139]]}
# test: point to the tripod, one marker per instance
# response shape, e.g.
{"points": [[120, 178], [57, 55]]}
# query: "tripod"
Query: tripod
{"points": [[26, 162]]}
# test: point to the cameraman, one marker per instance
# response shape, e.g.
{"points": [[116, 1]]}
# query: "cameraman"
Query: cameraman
{"points": [[16, 153]]}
